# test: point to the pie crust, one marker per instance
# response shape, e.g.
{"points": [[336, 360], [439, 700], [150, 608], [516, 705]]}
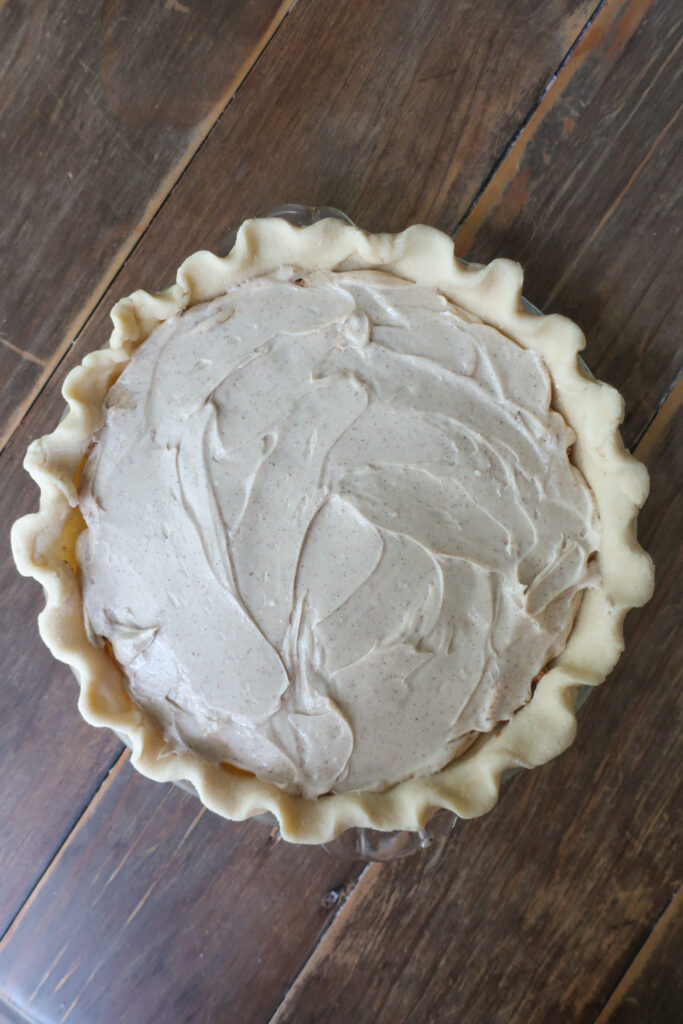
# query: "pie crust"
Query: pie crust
{"points": [[44, 543]]}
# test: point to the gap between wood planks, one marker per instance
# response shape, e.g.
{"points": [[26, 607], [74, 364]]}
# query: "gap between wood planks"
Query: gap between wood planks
{"points": [[536, 112], [667, 409], [464, 230], [508, 163], [642, 958], [91, 802], [154, 206]]}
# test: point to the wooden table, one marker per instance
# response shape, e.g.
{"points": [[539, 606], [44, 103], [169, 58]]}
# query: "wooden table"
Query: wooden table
{"points": [[134, 133]]}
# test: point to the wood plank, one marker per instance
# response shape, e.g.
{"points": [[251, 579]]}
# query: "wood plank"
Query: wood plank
{"points": [[52, 762], [158, 910], [303, 127], [536, 910], [587, 197], [102, 105], [652, 988]]}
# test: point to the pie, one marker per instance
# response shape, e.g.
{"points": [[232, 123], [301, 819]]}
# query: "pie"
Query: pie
{"points": [[335, 528]]}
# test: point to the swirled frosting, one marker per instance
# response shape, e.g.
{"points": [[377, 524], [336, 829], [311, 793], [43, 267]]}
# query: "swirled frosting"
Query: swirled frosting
{"points": [[333, 530]]}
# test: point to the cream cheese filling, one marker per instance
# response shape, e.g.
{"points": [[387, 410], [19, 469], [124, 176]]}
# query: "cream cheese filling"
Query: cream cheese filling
{"points": [[333, 531]]}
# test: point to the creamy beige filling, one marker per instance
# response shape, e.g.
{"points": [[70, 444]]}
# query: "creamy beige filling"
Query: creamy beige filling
{"points": [[333, 531]]}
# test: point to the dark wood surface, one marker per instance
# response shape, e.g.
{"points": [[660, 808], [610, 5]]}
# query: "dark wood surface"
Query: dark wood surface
{"points": [[168, 889], [542, 131], [587, 197], [652, 988], [103, 104]]}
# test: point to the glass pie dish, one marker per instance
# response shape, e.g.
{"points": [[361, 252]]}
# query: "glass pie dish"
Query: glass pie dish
{"points": [[358, 818]]}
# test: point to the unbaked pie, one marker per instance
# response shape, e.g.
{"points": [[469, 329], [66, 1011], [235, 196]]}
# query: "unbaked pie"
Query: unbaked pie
{"points": [[335, 528]]}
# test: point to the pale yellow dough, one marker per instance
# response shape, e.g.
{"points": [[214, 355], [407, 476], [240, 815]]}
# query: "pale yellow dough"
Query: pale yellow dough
{"points": [[44, 543]]}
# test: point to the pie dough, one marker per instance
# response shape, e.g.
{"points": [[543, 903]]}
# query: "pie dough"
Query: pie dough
{"points": [[378, 419]]}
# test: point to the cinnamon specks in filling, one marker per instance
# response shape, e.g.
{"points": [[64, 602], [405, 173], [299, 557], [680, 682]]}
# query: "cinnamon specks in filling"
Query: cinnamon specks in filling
{"points": [[333, 532]]}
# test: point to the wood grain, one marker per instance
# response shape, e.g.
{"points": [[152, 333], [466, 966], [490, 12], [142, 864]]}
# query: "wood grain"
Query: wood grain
{"points": [[158, 910], [306, 125], [586, 199], [101, 107], [536, 910], [652, 988]]}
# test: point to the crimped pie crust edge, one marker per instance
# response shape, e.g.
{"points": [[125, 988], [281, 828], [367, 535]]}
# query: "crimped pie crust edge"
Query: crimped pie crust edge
{"points": [[43, 543]]}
